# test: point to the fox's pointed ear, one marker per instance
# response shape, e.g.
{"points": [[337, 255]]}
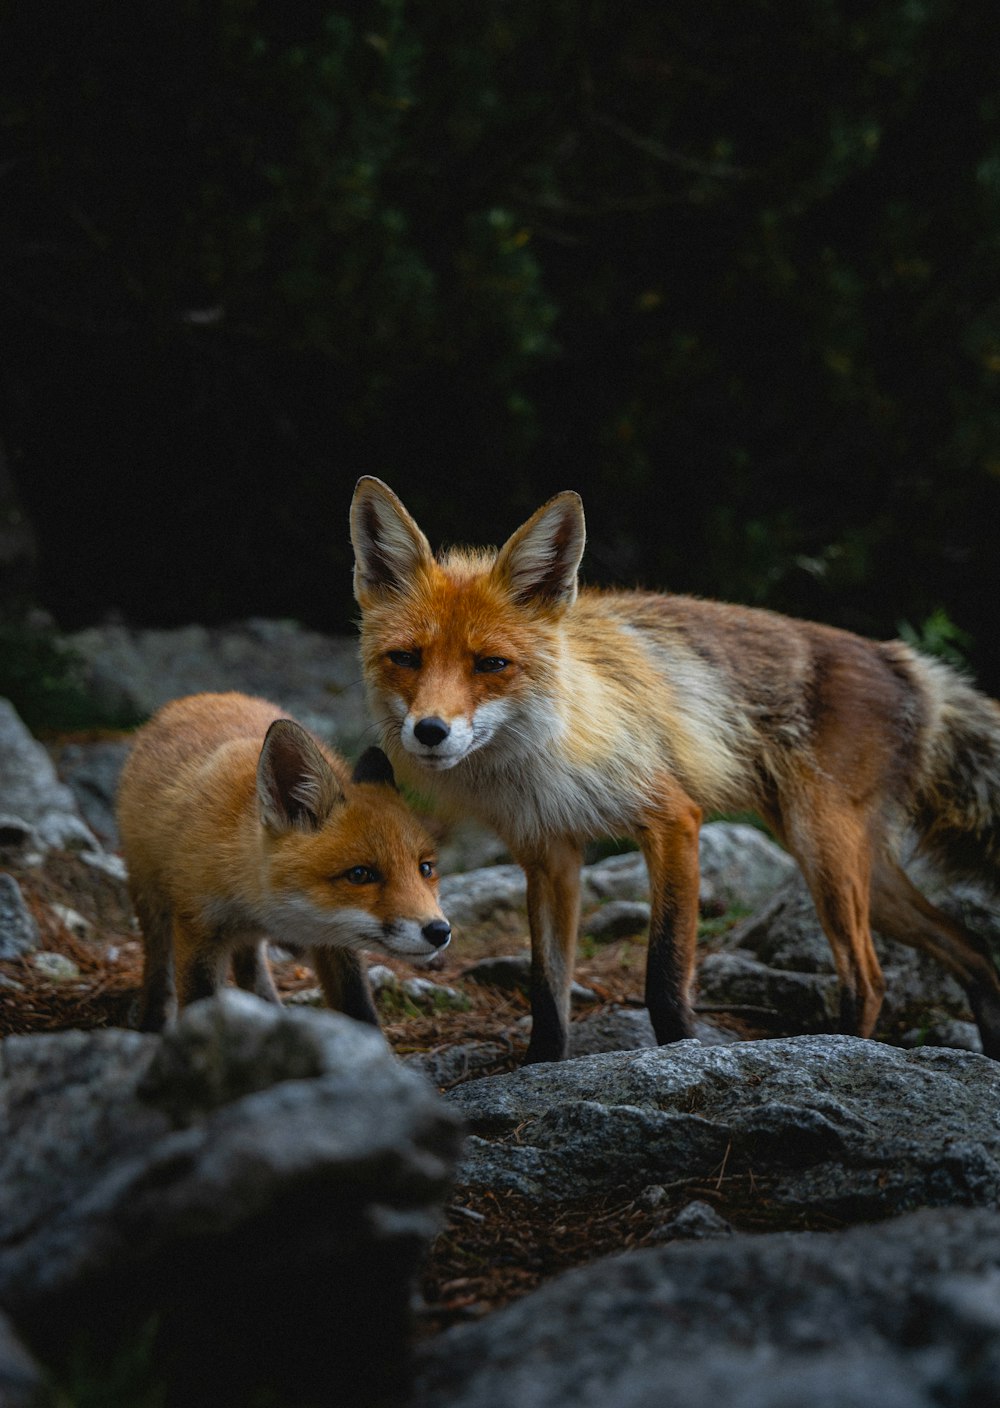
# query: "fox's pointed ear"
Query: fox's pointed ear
{"points": [[540, 561], [389, 548], [296, 786], [374, 766]]}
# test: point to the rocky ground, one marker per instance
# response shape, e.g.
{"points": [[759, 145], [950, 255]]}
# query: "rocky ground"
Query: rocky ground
{"points": [[759, 1190]]}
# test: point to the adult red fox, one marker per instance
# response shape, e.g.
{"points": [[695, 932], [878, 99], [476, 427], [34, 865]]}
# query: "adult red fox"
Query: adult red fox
{"points": [[557, 715], [236, 826]]}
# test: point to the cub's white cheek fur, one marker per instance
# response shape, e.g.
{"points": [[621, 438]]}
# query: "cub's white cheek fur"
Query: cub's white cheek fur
{"points": [[299, 921]]}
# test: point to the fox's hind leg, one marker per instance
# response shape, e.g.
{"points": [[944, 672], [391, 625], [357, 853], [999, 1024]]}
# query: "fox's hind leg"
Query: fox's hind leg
{"points": [[199, 962], [669, 839], [344, 980], [901, 912], [553, 876], [253, 972], [832, 843]]}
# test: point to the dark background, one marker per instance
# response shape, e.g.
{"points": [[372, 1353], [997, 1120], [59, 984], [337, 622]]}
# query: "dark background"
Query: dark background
{"points": [[732, 271]]}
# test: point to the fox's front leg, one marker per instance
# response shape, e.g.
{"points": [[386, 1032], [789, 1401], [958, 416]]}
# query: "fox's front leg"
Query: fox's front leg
{"points": [[344, 979], [553, 875], [200, 961], [253, 972], [669, 840]]}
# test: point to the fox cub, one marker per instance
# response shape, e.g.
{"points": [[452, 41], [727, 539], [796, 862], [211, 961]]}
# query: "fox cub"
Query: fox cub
{"points": [[557, 715], [237, 826]]}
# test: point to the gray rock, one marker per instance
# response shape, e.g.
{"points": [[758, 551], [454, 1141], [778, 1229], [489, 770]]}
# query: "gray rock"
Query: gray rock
{"points": [[470, 846], [963, 1036], [18, 839], [433, 996], [740, 866], [629, 1029], [617, 920], [834, 1124], [794, 1002], [696, 1222], [621, 877], [903, 1314], [33, 792], [512, 973], [478, 894], [18, 930], [264, 1180], [451, 1064], [508, 972], [55, 966], [91, 771]]}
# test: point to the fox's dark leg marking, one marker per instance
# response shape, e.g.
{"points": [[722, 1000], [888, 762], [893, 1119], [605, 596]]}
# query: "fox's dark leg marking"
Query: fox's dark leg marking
{"points": [[669, 840], [553, 877], [344, 979]]}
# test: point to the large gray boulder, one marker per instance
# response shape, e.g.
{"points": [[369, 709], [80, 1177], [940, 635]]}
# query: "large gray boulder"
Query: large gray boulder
{"points": [[316, 677], [262, 1181], [903, 1315], [832, 1125]]}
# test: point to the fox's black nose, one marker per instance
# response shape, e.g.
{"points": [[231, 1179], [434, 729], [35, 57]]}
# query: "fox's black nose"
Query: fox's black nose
{"points": [[431, 731], [437, 932]]}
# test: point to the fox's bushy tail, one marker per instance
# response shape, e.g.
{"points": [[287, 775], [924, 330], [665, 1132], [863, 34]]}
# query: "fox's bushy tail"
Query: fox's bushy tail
{"points": [[956, 804]]}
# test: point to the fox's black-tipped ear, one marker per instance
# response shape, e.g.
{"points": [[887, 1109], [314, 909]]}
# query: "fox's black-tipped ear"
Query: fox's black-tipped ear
{"points": [[389, 548], [374, 766], [296, 786], [540, 561]]}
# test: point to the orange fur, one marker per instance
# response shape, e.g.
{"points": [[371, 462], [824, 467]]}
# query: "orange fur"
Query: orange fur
{"points": [[238, 826], [557, 715]]}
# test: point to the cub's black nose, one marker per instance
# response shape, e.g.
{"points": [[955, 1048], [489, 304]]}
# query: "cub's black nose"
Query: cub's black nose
{"points": [[437, 932], [431, 731]]}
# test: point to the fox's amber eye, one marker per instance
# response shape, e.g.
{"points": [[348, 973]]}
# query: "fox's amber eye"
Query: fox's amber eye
{"points": [[361, 875], [490, 664], [405, 659], [428, 869]]}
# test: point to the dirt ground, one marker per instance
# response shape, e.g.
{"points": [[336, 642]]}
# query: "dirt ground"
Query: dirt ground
{"points": [[492, 1247]]}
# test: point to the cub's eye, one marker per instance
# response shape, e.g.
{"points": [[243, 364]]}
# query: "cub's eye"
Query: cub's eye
{"points": [[428, 869], [490, 664], [405, 659], [361, 875]]}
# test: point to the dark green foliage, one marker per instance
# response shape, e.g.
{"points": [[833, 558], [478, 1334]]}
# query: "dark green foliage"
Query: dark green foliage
{"points": [[46, 683], [122, 1377], [732, 273]]}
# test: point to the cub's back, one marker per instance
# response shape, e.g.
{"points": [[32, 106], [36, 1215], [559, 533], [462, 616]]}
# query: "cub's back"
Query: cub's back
{"points": [[191, 773]]}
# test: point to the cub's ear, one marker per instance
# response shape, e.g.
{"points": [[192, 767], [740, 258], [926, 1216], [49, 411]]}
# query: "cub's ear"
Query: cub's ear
{"points": [[296, 786], [540, 561], [389, 548], [374, 766]]}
